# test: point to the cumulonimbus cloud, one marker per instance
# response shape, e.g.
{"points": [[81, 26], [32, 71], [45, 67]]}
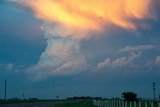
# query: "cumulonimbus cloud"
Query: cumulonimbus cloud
{"points": [[68, 22]]}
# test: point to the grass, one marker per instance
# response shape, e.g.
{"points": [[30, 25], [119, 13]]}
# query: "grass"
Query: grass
{"points": [[55, 103], [84, 103]]}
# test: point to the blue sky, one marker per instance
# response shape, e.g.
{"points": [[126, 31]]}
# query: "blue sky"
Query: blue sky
{"points": [[105, 65]]}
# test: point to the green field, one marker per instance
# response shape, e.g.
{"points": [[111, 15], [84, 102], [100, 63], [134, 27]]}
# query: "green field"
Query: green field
{"points": [[56, 103], [76, 104]]}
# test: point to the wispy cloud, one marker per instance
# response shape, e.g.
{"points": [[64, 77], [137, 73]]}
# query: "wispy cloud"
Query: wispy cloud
{"points": [[157, 61], [7, 67], [119, 62], [136, 48], [10, 67]]}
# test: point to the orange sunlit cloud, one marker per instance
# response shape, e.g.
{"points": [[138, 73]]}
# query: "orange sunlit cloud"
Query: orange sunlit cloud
{"points": [[91, 14]]}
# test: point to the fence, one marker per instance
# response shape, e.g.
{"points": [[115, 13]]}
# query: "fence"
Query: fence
{"points": [[125, 104]]}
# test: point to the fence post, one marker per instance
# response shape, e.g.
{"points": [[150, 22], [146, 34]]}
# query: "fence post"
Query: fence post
{"points": [[135, 104], [120, 104], [95, 102], [139, 104], [158, 104], [117, 103], [126, 104], [114, 103], [145, 103], [105, 103], [130, 104], [101, 104], [98, 103], [109, 104], [151, 104]]}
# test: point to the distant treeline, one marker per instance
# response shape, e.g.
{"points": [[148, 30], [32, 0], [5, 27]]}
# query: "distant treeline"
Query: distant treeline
{"points": [[16, 100], [83, 97]]}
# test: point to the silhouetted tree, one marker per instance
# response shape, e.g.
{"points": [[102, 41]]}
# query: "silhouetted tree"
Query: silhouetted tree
{"points": [[57, 97], [129, 96]]}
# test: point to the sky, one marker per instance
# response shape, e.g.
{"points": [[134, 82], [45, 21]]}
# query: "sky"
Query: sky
{"points": [[62, 48]]}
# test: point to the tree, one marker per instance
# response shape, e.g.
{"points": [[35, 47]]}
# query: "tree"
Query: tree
{"points": [[129, 96]]}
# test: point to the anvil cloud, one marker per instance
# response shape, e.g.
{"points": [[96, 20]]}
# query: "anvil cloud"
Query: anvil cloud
{"points": [[91, 14]]}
